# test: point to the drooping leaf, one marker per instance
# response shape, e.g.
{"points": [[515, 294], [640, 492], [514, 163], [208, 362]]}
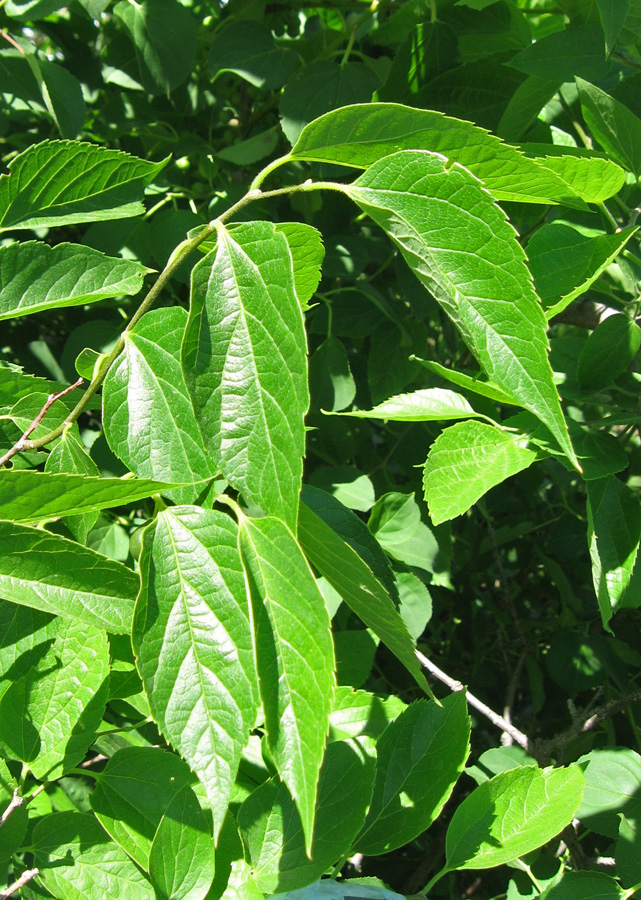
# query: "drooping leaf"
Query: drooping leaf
{"points": [[360, 589], [148, 418], [565, 262], [294, 655], [35, 276], [250, 151], [181, 860], [134, 792], [49, 717], [65, 182], [52, 574], [244, 357], [193, 643], [512, 814], [461, 246], [464, 462], [414, 776], [164, 35], [608, 351], [361, 134], [99, 865], [424, 405], [272, 830], [613, 125], [248, 49]]}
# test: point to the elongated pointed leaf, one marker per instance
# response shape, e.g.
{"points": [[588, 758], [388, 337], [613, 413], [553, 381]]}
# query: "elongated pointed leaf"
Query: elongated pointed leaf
{"points": [[148, 418], [469, 382], [35, 276], [69, 456], [360, 589], [244, 356], [614, 126], [427, 404], [460, 245], [511, 815], [64, 182], [295, 658], [34, 496], [364, 133], [55, 575], [49, 717], [464, 462], [585, 886], [590, 177], [193, 642]]}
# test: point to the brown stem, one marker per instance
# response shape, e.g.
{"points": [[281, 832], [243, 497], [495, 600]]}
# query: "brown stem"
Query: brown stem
{"points": [[23, 443], [15, 802], [25, 878]]}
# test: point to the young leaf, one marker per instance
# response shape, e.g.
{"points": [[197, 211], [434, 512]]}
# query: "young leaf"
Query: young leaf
{"points": [[244, 357], [55, 575], [249, 50], [193, 642], [613, 125], [35, 276], [461, 246], [99, 865], [464, 462], [148, 418], [365, 595], [134, 792], [48, 718], [181, 860], [425, 405], [272, 830], [364, 133], [65, 182], [415, 775], [608, 351], [511, 815], [294, 655]]}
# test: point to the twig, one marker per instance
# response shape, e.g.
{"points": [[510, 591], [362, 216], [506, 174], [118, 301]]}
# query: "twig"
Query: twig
{"points": [[521, 739], [21, 444], [25, 878], [93, 761], [507, 739], [16, 801]]}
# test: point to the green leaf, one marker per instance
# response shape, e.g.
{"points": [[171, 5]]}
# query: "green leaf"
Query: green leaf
{"points": [[395, 522], [628, 851], [248, 49], [14, 827], [49, 717], [332, 384], [244, 357], [65, 182], [134, 792], [414, 774], [35, 276], [193, 641], [320, 87], [608, 351], [181, 860], [584, 886], [348, 485], [249, 152], [468, 382], [99, 865], [164, 35], [612, 124], [562, 55], [612, 788], [69, 456], [564, 262], [462, 248], [613, 14], [464, 462], [34, 496], [272, 830], [306, 247], [360, 589], [362, 134], [294, 656], [52, 574], [148, 418], [424, 405], [511, 815], [25, 637], [614, 532], [587, 175], [360, 713], [415, 603]]}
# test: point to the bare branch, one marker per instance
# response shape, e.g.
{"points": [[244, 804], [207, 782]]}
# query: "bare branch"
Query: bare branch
{"points": [[25, 878], [16, 801]]}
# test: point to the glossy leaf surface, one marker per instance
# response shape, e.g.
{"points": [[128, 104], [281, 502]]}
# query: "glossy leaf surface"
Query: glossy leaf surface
{"points": [[427, 404]]}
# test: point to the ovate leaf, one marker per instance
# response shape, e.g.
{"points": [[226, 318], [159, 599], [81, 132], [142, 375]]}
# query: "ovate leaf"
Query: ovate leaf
{"points": [[244, 356], [589, 176], [427, 404], [612, 787], [49, 717], [64, 182], [35, 276], [613, 125], [512, 814], [462, 248], [193, 642], [464, 462], [52, 574], [99, 866], [69, 456], [148, 418], [414, 776], [295, 657]]}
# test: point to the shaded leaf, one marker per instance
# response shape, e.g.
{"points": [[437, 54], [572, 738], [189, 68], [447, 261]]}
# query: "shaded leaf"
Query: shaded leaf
{"points": [[613, 125], [475, 383], [69, 456], [248, 49], [612, 788], [584, 886], [360, 713], [562, 55], [608, 351]]}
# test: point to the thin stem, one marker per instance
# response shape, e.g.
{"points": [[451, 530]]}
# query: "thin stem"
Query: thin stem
{"points": [[25, 878], [630, 892], [269, 168], [14, 803], [430, 884]]}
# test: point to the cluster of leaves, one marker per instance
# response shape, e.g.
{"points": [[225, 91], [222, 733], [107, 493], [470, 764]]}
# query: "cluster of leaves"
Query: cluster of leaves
{"points": [[236, 528]]}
